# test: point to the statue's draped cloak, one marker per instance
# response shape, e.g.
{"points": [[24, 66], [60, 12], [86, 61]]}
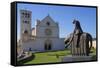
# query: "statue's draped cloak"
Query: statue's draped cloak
{"points": [[81, 50]]}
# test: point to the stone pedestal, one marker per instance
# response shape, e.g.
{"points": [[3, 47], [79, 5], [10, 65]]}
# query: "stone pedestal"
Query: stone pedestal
{"points": [[76, 58]]}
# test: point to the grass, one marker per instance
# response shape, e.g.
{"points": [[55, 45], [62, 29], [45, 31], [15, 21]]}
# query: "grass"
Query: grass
{"points": [[51, 57], [48, 57]]}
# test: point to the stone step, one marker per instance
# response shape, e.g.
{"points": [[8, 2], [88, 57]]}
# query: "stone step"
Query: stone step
{"points": [[76, 58]]}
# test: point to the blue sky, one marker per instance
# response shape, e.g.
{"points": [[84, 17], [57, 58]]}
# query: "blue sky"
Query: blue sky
{"points": [[64, 15]]}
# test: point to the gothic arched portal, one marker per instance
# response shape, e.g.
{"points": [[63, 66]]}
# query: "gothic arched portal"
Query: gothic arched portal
{"points": [[48, 45]]}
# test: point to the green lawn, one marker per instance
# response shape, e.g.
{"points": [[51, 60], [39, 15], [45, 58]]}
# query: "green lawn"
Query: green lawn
{"points": [[51, 57], [48, 57]]}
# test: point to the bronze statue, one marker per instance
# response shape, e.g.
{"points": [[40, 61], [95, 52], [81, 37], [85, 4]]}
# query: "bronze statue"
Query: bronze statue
{"points": [[79, 41]]}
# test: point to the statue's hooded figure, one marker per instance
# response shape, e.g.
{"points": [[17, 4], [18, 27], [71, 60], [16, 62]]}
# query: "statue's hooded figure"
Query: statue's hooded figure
{"points": [[77, 32], [78, 28]]}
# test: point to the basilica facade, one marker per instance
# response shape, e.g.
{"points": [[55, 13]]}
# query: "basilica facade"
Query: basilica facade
{"points": [[43, 37]]}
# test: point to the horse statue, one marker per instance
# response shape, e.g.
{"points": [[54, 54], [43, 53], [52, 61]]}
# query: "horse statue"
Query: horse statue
{"points": [[79, 41]]}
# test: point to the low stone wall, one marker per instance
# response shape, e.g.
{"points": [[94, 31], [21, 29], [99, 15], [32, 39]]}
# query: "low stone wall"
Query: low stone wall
{"points": [[94, 44], [25, 59]]}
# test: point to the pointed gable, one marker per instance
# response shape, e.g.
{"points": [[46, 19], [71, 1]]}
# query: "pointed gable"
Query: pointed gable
{"points": [[48, 18], [48, 21]]}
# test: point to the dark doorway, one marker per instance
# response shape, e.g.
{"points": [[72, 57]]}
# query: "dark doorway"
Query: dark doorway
{"points": [[47, 46]]}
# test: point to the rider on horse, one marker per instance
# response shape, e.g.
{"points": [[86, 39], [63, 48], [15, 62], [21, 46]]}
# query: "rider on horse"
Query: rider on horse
{"points": [[77, 31]]}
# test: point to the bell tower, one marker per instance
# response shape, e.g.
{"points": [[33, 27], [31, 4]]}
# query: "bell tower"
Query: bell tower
{"points": [[25, 24]]}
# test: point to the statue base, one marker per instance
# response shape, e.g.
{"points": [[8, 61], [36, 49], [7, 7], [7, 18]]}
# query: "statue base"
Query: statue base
{"points": [[76, 58]]}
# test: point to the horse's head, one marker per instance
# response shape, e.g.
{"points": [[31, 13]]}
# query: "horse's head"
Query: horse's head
{"points": [[75, 21]]}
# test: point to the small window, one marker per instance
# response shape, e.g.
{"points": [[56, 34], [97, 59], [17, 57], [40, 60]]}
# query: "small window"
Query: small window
{"points": [[48, 23], [25, 32], [22, 13], [25, 21], [26, 15]]}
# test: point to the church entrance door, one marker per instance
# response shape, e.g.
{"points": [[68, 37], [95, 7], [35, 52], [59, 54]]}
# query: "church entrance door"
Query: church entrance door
{"points": [[48, 45]]}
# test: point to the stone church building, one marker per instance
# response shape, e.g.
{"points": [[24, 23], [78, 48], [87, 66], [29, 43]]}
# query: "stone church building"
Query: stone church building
{"points": [[43, 37]]}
